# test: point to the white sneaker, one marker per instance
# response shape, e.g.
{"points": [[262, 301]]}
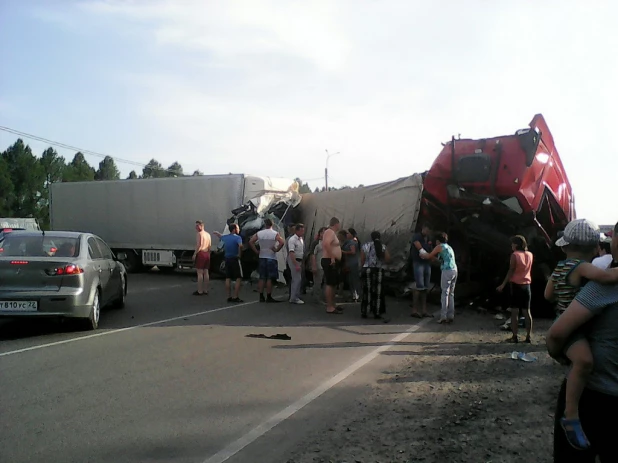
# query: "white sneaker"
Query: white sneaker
{"points": [[297, 301]]}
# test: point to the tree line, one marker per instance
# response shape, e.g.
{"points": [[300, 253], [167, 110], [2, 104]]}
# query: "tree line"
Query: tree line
{"points": [[25, 178]]}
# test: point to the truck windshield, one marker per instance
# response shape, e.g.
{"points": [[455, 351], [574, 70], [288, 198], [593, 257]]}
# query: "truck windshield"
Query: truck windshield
{"points": [[16, 245]]}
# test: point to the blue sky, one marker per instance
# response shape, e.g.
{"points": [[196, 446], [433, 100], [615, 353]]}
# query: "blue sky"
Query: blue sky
{"points": [[265, 87]]}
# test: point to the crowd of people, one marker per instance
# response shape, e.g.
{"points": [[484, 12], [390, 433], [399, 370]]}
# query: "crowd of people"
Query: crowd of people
{"points": [[336, 259], [583, 287]]}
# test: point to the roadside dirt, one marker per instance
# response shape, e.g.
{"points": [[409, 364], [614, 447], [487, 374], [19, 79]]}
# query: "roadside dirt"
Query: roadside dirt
{"points": [[457, 397]]}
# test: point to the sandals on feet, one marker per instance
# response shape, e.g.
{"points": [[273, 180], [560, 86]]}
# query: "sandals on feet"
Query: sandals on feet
{"points": [[575, 433]]}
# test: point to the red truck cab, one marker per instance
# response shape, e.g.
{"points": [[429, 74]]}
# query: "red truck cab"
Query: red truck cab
{"points": [[486, 190]]}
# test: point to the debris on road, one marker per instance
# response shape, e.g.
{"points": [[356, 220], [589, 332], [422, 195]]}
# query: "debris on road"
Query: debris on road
{"points": [[283, 337]]}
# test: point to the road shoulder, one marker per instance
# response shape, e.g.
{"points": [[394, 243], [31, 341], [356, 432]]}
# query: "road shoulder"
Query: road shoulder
{"points": [[456, 396]]}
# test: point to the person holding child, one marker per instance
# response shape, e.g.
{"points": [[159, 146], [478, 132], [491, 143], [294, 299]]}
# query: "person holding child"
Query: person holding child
{"points": [[580, 244]]}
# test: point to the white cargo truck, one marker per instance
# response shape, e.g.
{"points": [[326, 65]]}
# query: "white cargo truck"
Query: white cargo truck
{"points": [[20, 223], [152, 221]]}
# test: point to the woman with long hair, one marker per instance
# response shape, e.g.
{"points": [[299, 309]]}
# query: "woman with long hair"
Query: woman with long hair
{"points": [[373, 257], [519, 279], [444, 253]]}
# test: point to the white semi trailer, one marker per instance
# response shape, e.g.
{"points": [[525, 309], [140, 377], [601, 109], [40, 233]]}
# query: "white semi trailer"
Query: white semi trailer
{"points": [[152, 221]]}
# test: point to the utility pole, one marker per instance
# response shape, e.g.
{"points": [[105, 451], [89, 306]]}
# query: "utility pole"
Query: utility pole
{"points": [[328, 155]]}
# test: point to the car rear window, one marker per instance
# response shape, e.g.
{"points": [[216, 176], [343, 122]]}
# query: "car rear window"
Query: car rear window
{"points": [[17, 245]]}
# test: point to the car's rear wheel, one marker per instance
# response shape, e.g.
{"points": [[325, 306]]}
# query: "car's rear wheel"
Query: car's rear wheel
{"points": [[92, 322], [121, 301]]}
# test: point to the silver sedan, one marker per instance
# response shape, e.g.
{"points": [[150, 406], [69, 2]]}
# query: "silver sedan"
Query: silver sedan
{"points": [[59, 274]]}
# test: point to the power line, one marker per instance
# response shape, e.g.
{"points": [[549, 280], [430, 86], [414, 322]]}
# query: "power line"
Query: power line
{"points": [[75, 148], [94, 153], [336, 181]]}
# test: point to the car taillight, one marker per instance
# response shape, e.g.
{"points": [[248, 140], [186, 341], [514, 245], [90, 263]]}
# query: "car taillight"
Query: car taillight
{"points": [[19, 262], [70, 269]]}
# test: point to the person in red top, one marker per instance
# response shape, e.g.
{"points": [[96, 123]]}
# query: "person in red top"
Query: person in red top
{"points": [[519, 279]]}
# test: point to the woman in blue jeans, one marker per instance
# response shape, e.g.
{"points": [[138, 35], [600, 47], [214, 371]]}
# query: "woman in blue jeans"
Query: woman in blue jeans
{"points": [[445, 254]]}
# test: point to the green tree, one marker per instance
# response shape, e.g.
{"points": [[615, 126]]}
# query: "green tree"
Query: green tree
{"points": [[132, 175], [107, 170], [27, 177], [153, 169], [175, 170], [6, 188], [79, 170], [54, 168]]}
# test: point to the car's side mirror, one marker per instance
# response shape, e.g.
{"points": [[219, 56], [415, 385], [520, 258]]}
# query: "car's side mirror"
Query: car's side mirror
{"points": [[121, 256]]}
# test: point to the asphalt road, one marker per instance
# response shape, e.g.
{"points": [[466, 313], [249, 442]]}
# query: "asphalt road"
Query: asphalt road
{"points": [[173, 377]]}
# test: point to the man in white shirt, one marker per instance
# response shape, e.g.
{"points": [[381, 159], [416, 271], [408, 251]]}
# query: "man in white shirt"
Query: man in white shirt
{"points": [[605, 256], [296, 251], [270, 242]]}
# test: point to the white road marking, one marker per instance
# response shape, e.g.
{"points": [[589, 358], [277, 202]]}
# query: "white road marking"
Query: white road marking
{"points": [[121, 330], [287, 412]]}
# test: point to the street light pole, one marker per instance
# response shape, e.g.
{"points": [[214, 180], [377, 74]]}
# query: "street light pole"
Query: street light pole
{"points": [[328, 155]]}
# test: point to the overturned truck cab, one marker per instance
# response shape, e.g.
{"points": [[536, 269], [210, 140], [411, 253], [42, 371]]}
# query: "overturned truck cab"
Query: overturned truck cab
{"points": [[486, 190]]}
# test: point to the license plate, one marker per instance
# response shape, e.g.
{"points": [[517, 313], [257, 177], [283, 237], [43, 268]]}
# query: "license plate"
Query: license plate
{"points": [[19, 306]]}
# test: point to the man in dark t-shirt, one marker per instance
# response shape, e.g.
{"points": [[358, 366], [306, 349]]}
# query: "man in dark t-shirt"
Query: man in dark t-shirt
{"points": [[421, 243]]}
